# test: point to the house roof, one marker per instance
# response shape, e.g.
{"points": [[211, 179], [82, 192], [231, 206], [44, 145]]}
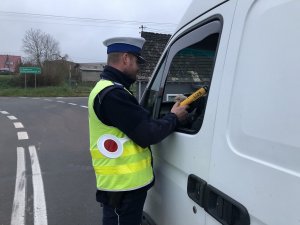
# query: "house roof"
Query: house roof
{"points": [[187, 66], [152, 50], [9, 62]]}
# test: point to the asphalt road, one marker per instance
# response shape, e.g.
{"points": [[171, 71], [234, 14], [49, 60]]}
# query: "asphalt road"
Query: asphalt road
{"points": [[46, 177]]}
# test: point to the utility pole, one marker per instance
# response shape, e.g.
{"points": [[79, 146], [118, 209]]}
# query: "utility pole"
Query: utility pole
{"points": [[142, 28]]}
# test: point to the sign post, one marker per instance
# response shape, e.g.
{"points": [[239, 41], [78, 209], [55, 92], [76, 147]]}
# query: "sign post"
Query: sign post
{"points": [[34, 80], [30, 70]]}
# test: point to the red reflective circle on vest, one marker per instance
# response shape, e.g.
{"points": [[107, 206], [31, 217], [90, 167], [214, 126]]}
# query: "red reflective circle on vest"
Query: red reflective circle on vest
{"points": [[110, 145]]}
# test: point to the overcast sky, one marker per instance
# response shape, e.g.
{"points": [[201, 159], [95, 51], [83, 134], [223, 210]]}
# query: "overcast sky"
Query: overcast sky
{"points": [[80, 26]]}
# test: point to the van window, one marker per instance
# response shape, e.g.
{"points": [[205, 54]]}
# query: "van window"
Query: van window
{"points": [[187, 67], [151, 96]]}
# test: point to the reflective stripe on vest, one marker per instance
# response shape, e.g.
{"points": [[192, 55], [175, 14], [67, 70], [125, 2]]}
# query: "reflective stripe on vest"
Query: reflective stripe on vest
{"points": [[129, 170]]}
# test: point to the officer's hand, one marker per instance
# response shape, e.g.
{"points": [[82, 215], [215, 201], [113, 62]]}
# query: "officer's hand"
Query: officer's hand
{"points": [[180, 111]]}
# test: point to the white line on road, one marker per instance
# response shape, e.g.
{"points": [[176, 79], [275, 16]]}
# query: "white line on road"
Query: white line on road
{"points": [[72, 104], [83, 106], [61, 101], [49, 100], [22, 135], [18, 125], [4, 112], [39, 202], [18, 210], [12, 117]]}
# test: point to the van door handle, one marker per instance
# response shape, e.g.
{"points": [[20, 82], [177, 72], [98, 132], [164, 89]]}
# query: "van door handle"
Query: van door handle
{"points": [[196, 189], [224, 209], [216, 203]]}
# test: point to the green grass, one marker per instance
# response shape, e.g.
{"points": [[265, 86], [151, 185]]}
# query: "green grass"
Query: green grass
{"points": [[7, 89], [5, 81], [44, 92]]}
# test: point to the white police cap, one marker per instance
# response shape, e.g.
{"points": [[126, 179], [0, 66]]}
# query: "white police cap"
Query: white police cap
{"points": [[131, 45]]}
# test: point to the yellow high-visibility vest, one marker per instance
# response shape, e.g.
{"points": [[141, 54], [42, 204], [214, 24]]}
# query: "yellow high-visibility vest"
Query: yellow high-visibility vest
{"points": [[119, 163]]}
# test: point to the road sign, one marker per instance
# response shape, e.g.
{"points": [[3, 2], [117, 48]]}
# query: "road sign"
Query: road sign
{"points": [[30, 70]]}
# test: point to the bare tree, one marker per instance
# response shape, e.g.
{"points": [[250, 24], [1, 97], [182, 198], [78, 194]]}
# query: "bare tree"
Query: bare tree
{"points": [[40, 47]]}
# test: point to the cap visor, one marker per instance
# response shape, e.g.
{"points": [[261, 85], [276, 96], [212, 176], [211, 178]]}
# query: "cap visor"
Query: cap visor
{"points": [[140, 59]]}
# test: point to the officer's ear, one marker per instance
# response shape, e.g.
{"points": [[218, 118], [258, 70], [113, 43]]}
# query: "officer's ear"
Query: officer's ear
{"points": [[125, 58]]}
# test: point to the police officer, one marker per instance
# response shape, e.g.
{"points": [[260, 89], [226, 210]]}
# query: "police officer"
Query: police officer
{"points": [[121, 132]]}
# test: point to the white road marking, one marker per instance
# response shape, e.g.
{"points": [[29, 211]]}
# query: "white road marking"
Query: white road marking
{"points": [[12, 117], [22, 135], [72, 104], [39, 202], [83, 106], [4, 112], [18, 210], [60, 101], [18, 125], [49, 100], [36, 98]]}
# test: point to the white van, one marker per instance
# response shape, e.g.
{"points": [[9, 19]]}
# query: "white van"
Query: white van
{"points": [[237, 159]]}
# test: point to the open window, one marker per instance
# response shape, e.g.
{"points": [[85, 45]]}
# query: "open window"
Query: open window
{"points": [[188, 66]]}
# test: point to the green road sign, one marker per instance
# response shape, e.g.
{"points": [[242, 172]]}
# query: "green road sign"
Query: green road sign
{"points": [[32, 70]]}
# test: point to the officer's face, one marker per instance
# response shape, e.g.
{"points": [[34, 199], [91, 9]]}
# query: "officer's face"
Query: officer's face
{"points": [[132, 68]]}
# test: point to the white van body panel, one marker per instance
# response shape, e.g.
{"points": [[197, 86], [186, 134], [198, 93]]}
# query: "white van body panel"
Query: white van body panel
{"points": [[258, 125], [196, 9], [249, 144]]}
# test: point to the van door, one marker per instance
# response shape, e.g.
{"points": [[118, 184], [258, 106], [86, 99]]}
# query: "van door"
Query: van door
{"points": [[256, 147], [193, 60]]}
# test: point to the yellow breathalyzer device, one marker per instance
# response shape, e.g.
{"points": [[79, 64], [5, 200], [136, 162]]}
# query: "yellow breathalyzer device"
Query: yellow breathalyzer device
{"points": [[193, 97]]}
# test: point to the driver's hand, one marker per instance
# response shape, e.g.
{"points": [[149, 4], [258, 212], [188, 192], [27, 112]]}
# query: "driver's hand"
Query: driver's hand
{"points": [[180, 111]]}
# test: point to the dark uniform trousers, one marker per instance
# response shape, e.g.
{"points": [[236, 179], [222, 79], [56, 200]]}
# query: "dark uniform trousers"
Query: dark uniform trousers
{"points": [[128, 212]]}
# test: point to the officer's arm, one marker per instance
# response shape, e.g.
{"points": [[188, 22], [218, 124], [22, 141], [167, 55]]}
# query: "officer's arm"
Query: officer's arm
{"points": [[120, 109]]}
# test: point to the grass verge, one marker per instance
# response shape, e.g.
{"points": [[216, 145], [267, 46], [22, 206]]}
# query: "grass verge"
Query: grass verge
{"points": [[41, 92], [59, 91]]}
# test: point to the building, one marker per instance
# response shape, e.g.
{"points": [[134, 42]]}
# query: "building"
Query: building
{"points": [[9, 63], [90, 72]]}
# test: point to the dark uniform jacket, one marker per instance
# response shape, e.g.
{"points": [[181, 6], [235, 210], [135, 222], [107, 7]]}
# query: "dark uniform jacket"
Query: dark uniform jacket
{"points": [[120, 109]]}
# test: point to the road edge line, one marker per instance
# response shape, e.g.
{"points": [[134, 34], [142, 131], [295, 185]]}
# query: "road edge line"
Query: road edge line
{"points": [[39, 202], [19, 203]]}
